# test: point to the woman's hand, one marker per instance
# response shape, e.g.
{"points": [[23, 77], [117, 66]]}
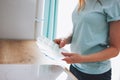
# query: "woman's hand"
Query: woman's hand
{"points": [[72, 58], [60, 42]]}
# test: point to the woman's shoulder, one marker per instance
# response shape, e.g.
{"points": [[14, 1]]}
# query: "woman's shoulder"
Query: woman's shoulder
{"points": [[109, 3]]}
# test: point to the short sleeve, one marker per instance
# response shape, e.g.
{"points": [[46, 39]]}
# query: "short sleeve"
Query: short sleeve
{"points": [[113, 11]]}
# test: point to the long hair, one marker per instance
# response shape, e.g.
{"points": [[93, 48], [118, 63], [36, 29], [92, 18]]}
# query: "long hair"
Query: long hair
{"points": [[82, 4]]}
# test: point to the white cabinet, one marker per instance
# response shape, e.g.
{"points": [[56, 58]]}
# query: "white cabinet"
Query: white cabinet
{"points": [[34, 72]]}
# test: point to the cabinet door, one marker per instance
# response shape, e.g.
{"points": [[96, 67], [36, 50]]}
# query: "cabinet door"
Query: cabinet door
{"points": [[17, 19]]}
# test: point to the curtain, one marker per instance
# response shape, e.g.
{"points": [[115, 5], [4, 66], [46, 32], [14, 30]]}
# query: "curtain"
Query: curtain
{"points": [[50, 19]]}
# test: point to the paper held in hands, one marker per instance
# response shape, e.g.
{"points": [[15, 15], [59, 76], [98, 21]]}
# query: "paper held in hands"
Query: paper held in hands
{"points": [[50, 49]]}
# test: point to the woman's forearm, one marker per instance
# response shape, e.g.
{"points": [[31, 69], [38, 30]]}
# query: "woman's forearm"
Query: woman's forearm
{"points": [[100, 56], [114, 48]]}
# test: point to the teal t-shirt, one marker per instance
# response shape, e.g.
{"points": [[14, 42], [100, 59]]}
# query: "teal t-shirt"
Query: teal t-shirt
{"points": [[91, 32]]}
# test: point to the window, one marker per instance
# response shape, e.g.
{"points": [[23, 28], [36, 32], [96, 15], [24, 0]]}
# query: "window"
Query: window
{"points": [[50, 18]]}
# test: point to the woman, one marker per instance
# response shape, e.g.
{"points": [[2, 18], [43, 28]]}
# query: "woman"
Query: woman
{"points": [[95, 39]]}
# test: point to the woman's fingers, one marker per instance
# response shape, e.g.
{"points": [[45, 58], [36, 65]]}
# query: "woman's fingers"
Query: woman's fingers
{"points": [[60, 42], [67, 54], [57, 41]]}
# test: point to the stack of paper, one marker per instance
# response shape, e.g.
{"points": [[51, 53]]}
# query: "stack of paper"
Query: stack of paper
{"points": [[50, 49]]}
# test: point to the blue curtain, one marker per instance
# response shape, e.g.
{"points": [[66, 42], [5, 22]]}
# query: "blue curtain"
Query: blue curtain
{"points": [[50, 18]]}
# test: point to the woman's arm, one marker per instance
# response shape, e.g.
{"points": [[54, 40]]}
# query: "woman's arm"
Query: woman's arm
{"points": [[68, 39], [108, 53], [63, 41]]}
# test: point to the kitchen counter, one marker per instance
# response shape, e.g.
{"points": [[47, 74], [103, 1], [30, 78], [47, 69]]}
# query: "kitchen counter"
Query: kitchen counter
{"points": [[23, 60]]}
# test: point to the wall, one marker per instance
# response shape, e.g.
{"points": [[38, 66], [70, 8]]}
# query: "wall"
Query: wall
{"points": [[39, 18], [17, 19], [64, 24]]}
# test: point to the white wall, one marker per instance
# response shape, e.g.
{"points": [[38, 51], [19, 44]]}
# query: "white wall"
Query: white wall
{"points": [[17, 19], [64, 24], [39, 18]]}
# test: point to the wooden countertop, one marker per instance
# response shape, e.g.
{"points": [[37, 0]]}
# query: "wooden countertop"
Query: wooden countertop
{"points": [[21, 52]]}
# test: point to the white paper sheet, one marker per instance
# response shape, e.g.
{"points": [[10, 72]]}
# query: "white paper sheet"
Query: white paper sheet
{"points": [[50, 49]]}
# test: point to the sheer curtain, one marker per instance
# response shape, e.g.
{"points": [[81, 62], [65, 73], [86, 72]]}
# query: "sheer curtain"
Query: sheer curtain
{"points": [[50, 18]]}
